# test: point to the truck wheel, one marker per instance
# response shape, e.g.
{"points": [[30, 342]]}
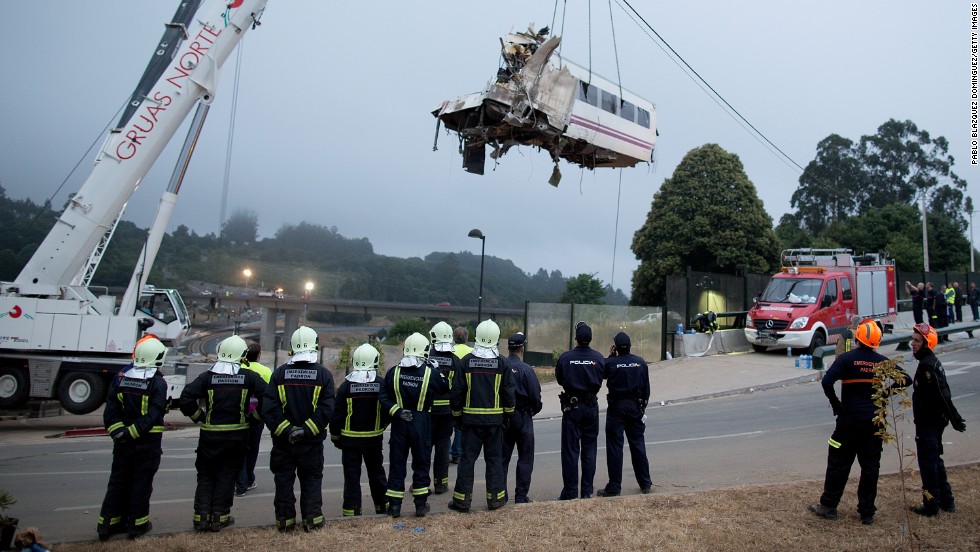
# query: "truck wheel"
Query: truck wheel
{"points": [[14, 387], [760, 348], [81, 392], [818, 341]]}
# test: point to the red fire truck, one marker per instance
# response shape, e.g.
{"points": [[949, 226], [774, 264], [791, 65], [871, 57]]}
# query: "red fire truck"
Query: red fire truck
{"points": [[812, 298]]}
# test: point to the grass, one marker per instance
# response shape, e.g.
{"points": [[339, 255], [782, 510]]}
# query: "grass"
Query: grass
{"points": [[772, 517]]}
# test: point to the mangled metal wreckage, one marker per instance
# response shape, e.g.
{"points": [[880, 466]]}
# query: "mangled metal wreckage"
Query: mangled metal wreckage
{"points": [[539, 99]]}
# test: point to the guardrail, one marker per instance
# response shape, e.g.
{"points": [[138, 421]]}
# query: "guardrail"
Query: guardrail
{"points": [[821, 352]]}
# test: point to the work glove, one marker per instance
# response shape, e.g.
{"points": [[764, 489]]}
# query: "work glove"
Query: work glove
{"points": [[405, 415], [959, 424], [835, 406], [120, 436], [296, 435], [335, 439]]}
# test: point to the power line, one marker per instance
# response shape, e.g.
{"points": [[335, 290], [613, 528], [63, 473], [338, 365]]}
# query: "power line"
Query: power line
{"points": [[714, 93]]}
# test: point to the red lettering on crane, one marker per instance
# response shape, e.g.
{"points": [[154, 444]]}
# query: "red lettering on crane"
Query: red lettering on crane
{"points": [[15, 312], [234, 4]]}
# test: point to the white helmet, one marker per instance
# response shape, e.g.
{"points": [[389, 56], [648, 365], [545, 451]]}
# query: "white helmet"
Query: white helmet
{"points": [[487, 334], [441, 333], [304, 340], [366, 358], [149, 353], [232, 349], [417, 345]]}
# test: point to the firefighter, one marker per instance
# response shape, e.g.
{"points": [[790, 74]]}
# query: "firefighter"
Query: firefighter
{"points": [[527, 403], [442, 416], [357, 428], [133, 417], [482, 402], [246, 479], [628, 383], [296, 408], [855, 434], [932, 409], [407, 394], [460, 336], [225, 390], [579, 372]]}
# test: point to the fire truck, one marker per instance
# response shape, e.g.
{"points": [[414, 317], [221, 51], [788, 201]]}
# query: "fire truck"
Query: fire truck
{"points": [[60, 337], [810, 301]]}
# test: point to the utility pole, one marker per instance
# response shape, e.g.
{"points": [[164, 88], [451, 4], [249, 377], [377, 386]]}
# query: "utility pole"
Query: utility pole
{"points": [[925, 232]]}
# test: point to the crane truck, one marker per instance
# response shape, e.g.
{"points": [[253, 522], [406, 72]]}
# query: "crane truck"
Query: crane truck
{"points": [[60, 337], [810, 301]]}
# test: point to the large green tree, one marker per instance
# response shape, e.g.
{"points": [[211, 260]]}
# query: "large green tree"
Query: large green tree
{"points": [[706, 216], [584, 289]]}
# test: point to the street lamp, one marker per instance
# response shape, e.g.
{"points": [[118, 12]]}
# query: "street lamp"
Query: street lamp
{"points": [[475, 233], [248, 274], [309, 289]]}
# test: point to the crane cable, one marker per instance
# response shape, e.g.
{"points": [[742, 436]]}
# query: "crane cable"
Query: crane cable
{"points": [[231, 136]]}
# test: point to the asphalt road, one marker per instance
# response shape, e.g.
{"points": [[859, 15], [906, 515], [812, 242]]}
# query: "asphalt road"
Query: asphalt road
{"points": [[766, 437]]}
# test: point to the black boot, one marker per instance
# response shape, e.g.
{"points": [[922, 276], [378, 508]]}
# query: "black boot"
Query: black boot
{"points": [[220, 521], [313, 523], [395, 509], [138, 530], [202, 522], [285, 525], [422, 509]]}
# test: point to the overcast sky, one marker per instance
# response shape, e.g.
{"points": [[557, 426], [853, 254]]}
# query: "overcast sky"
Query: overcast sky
{"points": [[334, 122]]}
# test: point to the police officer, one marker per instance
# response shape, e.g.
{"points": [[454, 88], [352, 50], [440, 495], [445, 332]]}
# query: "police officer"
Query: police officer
{"points": [[932, 409], [628, 383], [520, 433], [482, 402], [407, 394], [442, 416], [580, 373], [856, 431], [357, 427], [296, 408], [223, 443], [133, 417], [246, 479]]}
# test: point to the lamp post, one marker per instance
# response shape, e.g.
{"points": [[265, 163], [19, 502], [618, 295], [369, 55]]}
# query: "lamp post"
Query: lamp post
{"points": [[248, 274], [475, 233], [309, 289]]}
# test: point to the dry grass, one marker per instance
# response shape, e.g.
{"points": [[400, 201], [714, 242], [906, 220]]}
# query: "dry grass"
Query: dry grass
{"points": [[738, 519]]}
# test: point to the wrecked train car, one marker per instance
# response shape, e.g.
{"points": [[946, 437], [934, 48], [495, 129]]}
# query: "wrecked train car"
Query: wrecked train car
{"points": [[539, 99]]}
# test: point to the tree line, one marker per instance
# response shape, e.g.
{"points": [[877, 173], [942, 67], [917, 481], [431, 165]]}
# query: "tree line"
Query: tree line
{"points": [[867, 195], [341, 267]]}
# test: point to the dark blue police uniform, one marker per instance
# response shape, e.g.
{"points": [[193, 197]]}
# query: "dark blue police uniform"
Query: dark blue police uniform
{"points": [[628, 383], [579, 372], [521, 431]]}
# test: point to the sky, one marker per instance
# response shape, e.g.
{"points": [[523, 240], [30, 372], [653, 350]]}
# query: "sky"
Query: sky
{"points": [[334, 126]]}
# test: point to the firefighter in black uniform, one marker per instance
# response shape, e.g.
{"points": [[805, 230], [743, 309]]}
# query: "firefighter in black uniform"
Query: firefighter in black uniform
{"points": [[520, 433], [442, 416], [579, 372], [133, 417], [296, 408], [932, 409], [628, 383], [357, 429], [407, 394], [482, 402], [855, 434], [223, 443]]}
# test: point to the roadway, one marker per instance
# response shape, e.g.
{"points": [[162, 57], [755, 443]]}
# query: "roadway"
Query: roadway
{"points": [[777, 436]]}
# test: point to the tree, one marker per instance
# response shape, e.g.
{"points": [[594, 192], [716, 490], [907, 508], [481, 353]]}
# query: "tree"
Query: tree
{"points": [[242, 227], [827, 184], [584, 289], [708, 216]]}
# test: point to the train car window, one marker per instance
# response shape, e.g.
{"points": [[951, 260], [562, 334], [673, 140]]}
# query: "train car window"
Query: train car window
{"points": [[627, 110], [643, 117], [609, 102], [588, 93]]}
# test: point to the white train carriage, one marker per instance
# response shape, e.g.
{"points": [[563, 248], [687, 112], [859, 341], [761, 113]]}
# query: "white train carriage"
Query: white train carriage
{"points": [[539, 99]]}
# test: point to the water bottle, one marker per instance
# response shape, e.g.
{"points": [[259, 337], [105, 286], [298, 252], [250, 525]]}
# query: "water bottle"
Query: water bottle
{"points": [[798, 361], [789, 352], [807, 362], [680, 328]]}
